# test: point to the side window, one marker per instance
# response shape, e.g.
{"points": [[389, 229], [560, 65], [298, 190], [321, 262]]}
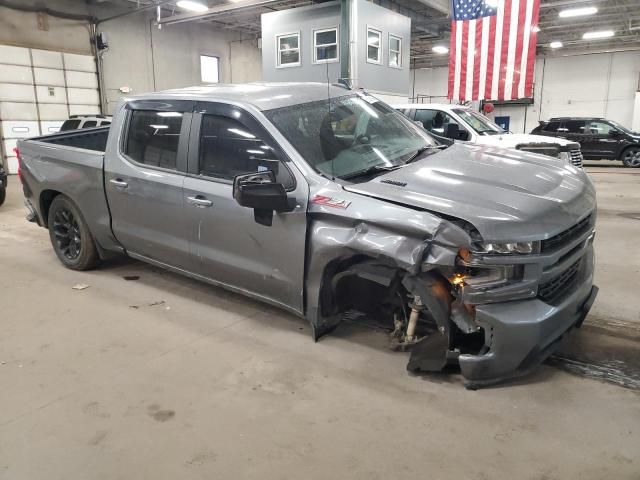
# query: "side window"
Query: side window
{"points": [[599, 128], [228, 148], [70, 125], [552, 127], [436, 122], [573, 126], [153, 138], [89, 124]]}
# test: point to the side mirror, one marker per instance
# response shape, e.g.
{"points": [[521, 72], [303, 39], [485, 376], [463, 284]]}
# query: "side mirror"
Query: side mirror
{"points": [[614, 133], [453, 131], [464, 135], [261, 192]]}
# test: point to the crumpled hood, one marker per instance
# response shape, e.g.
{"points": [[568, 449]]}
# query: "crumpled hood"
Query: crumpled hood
{"points": [[507, 195], [512, 140]]}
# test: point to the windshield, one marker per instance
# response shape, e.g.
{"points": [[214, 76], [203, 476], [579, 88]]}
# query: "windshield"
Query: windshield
{"points": [[479, 123], [620, 127], [357, 133]]}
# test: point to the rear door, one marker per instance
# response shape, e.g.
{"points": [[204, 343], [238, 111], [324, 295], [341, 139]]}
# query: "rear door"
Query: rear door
{"points": [[599, 143], [230, 246], [144, 176]]}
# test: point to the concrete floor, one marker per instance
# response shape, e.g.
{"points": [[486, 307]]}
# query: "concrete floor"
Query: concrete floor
{"points": [[167, 378]]}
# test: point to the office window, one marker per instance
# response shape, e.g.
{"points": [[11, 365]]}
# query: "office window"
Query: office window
{"points": [[228, 148], [288, 50], [374, 46], [325, 45], [153, 138], [209, 69], [395, 51]]}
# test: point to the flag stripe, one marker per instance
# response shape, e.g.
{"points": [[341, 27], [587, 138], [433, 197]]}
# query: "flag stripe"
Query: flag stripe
{"points": [[484, 52], [456, 85], [471, 48], [477, 58], [463, 55], [533, 40], [452, 58], [505, 47], [491, 46], [524, 50], [497, 54]]}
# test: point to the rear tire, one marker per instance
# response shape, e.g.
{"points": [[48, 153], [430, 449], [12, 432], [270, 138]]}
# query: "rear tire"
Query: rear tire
{"points": [[70, 236], [3, 193], [631, 157]]}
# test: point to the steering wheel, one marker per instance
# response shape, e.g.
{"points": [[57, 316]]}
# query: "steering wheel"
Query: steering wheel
{"points": [[362, 139]]}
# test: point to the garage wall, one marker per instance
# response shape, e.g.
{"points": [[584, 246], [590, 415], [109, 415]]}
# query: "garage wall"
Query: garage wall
{"points": [[582, 85], [143, 58]]}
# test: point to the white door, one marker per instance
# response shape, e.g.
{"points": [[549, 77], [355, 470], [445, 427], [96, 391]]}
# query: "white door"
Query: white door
{"points": [[39, 90]]}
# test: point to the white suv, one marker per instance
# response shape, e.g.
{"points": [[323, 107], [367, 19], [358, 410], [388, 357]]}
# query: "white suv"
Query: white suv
{"points": [[458, 122], [77, 122]]}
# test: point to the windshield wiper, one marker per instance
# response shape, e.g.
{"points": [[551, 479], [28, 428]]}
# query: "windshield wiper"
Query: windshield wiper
{"points": [[370, 170], [422, 150]]}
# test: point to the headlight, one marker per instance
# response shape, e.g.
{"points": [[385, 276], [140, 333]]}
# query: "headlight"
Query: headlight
{"points": [[564, 156], [506, 248]]}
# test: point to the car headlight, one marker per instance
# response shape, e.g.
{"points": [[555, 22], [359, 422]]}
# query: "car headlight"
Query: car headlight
{"points": [[564, 156], [506, 248]]}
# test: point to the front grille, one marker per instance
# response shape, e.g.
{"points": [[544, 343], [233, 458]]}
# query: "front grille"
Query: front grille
{"points": [[556, 289], [566, 236], [575, 157]]}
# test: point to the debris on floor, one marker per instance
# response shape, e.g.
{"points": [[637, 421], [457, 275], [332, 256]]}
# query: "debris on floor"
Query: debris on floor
{"points": [[159, 302], [80, 286], [130, 278]]}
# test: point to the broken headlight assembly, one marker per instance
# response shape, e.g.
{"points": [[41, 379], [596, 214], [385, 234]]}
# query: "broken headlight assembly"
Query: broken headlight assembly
{"points": [[522, 248]]}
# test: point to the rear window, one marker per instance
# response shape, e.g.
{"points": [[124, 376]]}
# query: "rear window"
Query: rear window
{"points": [[89, 124], [551, 127], [70, 125], [153, 138]]}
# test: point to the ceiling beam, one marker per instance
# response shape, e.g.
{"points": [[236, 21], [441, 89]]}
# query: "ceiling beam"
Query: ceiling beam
{"points": [[227, 7], [442, 6]]}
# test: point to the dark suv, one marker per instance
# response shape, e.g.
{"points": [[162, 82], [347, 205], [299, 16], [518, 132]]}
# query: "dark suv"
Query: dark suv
{"points": [[600, 139]]}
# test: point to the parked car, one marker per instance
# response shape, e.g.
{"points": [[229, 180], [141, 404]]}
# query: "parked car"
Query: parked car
{"points": [[601, 139], [76, 122], [325, 201], [462, 123], [3, 185]]}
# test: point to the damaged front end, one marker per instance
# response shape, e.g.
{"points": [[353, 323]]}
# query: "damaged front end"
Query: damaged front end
{"points": [[495, 310]]}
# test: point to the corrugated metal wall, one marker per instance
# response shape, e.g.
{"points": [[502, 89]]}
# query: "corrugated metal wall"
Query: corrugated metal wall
{"points": [[39, 89]]}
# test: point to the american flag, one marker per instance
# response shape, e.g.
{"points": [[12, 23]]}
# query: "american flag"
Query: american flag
{"points": [[493, 47]]}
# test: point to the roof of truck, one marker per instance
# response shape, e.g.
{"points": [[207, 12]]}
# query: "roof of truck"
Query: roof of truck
{"points": [[263, 96], [555, 119], [429, 106]]}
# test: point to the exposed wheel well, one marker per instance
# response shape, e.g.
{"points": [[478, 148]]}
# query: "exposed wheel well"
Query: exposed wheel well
{"points": [[46, 198]]}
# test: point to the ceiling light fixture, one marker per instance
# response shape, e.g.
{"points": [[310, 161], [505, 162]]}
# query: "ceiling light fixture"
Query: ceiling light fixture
{"points": [[192, 6], [556, 45], [577, 12], [440, 49], [535, 29], [596, 35]]}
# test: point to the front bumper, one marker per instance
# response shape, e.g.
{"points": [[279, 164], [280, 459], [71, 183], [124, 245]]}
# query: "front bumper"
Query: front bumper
{"points": [[521, 334]]}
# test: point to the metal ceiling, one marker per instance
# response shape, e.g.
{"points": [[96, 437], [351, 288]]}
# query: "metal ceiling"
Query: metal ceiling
{"points": [[431, 23]]}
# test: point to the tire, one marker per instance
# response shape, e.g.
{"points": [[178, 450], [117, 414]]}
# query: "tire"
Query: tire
{"points": [[3, 193], [631, 157], [70, 236]]}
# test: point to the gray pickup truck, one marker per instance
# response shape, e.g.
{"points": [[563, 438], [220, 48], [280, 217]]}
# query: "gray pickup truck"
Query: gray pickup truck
{"points": [[328, 203]]}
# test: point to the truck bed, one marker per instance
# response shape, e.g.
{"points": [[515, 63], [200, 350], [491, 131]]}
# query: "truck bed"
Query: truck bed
{"points": [[94, 139], [69, 163]]}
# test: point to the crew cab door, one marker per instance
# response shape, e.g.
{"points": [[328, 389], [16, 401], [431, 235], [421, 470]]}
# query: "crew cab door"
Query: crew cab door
{"points": [[231, 247], [144, 176]]}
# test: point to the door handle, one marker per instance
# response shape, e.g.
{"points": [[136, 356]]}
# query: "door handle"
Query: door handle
{"points": [[199, 201], [119, 183]]}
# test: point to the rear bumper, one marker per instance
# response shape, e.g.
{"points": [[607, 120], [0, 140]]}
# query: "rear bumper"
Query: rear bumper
{"points": [[521, 334]]}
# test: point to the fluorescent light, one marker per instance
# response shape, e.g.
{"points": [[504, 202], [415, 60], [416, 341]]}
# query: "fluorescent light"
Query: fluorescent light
{"points": [[440, 49], [600, 34], [159, 127], [535, 29], [556, 45], [578, 12], [169, 114], [192, 6]]}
